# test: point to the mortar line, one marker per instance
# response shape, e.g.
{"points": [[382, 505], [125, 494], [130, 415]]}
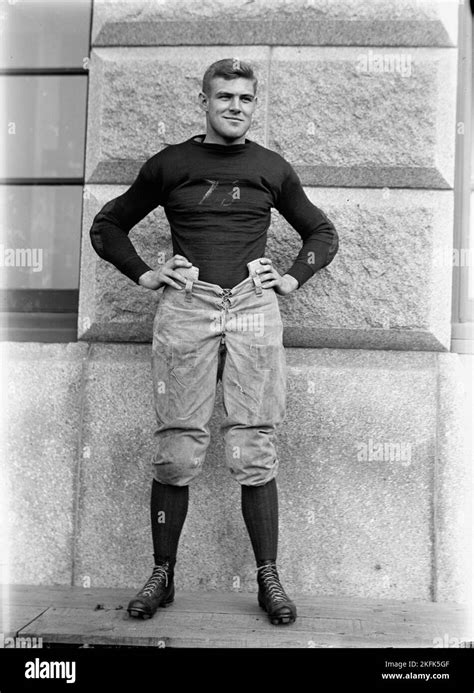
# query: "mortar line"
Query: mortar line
{"points": [[79, 465]]}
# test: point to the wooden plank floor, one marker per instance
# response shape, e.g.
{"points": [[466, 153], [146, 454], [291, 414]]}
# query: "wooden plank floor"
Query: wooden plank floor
{"points": [[98, 617]]}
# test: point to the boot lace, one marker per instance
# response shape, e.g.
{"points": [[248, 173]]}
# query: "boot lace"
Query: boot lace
{"points": [[270, 579], [159, 572]]}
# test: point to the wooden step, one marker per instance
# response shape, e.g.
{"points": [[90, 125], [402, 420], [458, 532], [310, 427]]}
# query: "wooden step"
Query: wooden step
{"points": [[98, 617]]}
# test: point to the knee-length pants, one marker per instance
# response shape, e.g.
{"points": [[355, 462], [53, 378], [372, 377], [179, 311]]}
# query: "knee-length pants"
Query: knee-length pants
{"points": [[202, 333]]}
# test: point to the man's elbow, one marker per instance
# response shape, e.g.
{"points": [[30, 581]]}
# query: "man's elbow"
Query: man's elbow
{"points": [[104, 229], [95, 236], [333, 248]]}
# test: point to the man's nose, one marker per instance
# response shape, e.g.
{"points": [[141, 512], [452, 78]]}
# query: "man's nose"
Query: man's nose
{"points": [[235, 104]]}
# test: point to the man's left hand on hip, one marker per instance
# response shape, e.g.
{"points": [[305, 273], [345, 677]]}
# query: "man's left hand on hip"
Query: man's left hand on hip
{"points": [[271, 278]]}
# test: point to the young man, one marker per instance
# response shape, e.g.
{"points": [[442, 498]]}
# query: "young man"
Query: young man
{"points": [[217, 318]]}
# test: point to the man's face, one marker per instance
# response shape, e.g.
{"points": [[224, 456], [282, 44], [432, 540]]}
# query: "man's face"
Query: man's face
{"points": [[229, 108]]}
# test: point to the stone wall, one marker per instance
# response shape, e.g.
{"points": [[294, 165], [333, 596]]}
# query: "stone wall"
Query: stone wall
{"points": [[356, 518], [361, 100]]}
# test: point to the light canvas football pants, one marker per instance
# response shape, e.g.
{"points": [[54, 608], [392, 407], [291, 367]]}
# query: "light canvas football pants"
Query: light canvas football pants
{"points": [[200, 331]]}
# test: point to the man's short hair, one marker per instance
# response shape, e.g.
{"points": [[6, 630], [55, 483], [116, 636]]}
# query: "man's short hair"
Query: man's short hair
{"points": [[228, 68]]}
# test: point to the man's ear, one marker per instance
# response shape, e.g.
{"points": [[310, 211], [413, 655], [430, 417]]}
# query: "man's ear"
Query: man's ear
{"points": [[203, 101]]}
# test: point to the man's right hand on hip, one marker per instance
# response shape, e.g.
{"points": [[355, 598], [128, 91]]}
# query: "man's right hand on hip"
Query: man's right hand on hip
{"points": [[155, 279]]}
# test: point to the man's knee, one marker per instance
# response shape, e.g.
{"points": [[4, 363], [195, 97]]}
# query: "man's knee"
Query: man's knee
{"points": [[255, 474], [180, 473], [251, 456], [179, 456]]}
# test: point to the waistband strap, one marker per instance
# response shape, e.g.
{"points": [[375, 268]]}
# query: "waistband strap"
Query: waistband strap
{"points": [[193, 284], [189, 290], [257, 284]]}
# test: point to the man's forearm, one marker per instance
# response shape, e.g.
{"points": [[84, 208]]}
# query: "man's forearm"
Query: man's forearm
{"points": [[313, 256], [319, 236], [112, 244], [112, 224]]}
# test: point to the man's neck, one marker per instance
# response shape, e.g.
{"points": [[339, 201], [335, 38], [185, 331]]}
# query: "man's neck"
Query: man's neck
{"points": [[212, 138]]}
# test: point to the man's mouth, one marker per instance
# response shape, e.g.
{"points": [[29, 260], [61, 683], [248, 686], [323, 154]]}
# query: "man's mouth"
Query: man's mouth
{"points": [[238, 120]]}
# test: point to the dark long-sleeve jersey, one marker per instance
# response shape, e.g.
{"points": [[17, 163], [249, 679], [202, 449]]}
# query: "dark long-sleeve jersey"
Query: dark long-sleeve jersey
{"points": [[218, 201]]}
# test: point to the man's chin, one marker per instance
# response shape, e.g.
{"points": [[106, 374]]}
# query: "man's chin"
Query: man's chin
{"points": [[233, 133], [232, 128]]}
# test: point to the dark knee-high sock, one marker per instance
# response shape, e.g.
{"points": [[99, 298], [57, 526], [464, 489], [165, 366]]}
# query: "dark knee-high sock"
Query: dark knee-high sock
{"points": [[260, 512], [169, 506]]}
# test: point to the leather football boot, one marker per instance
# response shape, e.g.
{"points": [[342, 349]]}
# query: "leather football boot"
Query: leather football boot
{"points": [[157, 591], [272, 597]]}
